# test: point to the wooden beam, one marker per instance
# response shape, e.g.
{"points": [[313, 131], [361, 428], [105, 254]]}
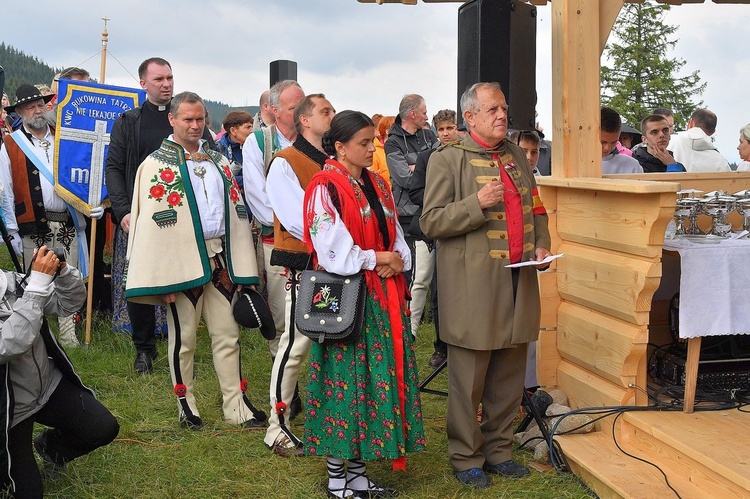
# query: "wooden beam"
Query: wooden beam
{"points": [[547, 358], [615, 221], [604, 345], [612, 283], [575, 89], [608, 12], [585, 389], [379, 2]]}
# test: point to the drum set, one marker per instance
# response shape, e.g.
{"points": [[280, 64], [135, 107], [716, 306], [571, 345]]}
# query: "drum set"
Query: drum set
{"points": [[716, 204]]}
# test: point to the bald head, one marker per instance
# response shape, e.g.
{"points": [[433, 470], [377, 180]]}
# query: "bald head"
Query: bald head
{"points": [[705, 120]]}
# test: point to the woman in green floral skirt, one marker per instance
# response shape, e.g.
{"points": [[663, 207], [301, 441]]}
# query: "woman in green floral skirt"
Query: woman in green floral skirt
{"points": [[363, 402]]}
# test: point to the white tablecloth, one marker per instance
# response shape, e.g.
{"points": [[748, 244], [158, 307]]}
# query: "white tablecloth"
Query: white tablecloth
{"points": [[714, 287]]}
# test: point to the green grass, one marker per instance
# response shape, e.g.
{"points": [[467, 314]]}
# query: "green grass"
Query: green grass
{"points": [[154, 458]]}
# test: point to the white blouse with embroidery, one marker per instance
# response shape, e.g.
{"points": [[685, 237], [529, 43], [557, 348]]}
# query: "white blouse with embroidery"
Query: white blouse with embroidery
{"points": [[335, 247]]}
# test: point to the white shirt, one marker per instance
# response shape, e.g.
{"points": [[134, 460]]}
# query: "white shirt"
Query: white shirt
{"points": [[52, 202], [286, 196], [335, 247], [209, 195], [254, 177]]}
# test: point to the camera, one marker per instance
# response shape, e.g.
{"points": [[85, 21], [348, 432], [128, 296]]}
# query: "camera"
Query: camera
{"points": [[59, 253]]}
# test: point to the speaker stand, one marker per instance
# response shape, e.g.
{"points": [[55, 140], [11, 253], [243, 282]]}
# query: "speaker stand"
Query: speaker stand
{"points": [[557, 458], [423, 385]]}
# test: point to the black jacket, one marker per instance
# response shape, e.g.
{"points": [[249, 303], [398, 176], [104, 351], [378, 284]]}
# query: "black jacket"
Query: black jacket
{"points": [[401, 150], [416, 193], [651, 164]]}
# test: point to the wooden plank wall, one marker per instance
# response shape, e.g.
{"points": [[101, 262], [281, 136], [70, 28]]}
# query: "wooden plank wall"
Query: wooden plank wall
{"points": [[611, 234], [597, 298]]}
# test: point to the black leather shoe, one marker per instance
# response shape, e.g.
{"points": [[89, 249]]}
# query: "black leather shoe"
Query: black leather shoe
{"points": [[142, 364], [508, 469], [475, 477], [374, 492], [437, 359], [253, 423], [194, 423]]}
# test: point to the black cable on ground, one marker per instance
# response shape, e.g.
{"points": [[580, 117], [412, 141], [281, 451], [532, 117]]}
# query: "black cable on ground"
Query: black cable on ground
{"points": [[719, 400]]}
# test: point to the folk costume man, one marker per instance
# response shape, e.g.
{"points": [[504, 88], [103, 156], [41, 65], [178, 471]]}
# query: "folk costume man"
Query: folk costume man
{"points": [[289, 174], [257, 153], [190, 247], [481, 205], [137, 133], [34, 214]]}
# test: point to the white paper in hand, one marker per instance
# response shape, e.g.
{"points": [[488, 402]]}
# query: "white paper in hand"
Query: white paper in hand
{"points": [[534, 262]]}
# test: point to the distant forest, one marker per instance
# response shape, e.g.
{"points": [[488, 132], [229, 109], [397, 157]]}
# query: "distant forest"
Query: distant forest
{"points": [[22, 68]]}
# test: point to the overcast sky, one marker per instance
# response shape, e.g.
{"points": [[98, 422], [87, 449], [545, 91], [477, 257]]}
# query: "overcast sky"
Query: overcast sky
{"points": [[362, 56]]}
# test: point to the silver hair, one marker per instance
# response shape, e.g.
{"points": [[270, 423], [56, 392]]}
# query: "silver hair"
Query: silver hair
{"points": [[185, 97], [469, 99], [409, 103], [274, 96], [745, 132], [40, 121]]}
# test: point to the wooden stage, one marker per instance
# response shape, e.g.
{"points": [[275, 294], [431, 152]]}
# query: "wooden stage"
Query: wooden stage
{"points": [[599, 315], [704, 455]]}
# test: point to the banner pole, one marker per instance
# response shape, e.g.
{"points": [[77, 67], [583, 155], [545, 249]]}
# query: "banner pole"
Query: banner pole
{"points": [[92, 242], [90, 294]]}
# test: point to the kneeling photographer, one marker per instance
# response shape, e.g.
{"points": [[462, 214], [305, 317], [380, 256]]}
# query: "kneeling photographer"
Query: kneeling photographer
{"points": [[37, 380]]}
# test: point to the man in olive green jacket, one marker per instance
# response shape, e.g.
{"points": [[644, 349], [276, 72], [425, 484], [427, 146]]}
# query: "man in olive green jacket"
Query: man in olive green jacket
{"points": [[483, 208]]}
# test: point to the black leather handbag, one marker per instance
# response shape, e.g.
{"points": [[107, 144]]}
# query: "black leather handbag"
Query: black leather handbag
{"points": [[330, 307]]}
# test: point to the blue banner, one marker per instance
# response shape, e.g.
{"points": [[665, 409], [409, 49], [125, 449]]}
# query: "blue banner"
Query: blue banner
{"points": [[85, 115]]}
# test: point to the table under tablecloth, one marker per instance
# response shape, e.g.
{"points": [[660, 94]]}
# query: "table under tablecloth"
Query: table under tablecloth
{"points": [[714, 286]]}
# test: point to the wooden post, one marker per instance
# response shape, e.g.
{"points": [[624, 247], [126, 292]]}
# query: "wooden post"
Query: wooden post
{"points": [[92, 242], [691, 373], [575, 89]]}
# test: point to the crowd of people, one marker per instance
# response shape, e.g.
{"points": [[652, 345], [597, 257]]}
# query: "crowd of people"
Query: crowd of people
{"points": [[415, 204]]}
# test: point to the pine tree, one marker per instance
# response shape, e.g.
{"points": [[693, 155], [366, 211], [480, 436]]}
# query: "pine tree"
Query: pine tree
{"points": [[637, 75]]}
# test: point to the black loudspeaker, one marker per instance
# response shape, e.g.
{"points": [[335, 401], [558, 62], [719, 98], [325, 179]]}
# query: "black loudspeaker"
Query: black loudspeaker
{"points": [[497, 43], [282, 70]]}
